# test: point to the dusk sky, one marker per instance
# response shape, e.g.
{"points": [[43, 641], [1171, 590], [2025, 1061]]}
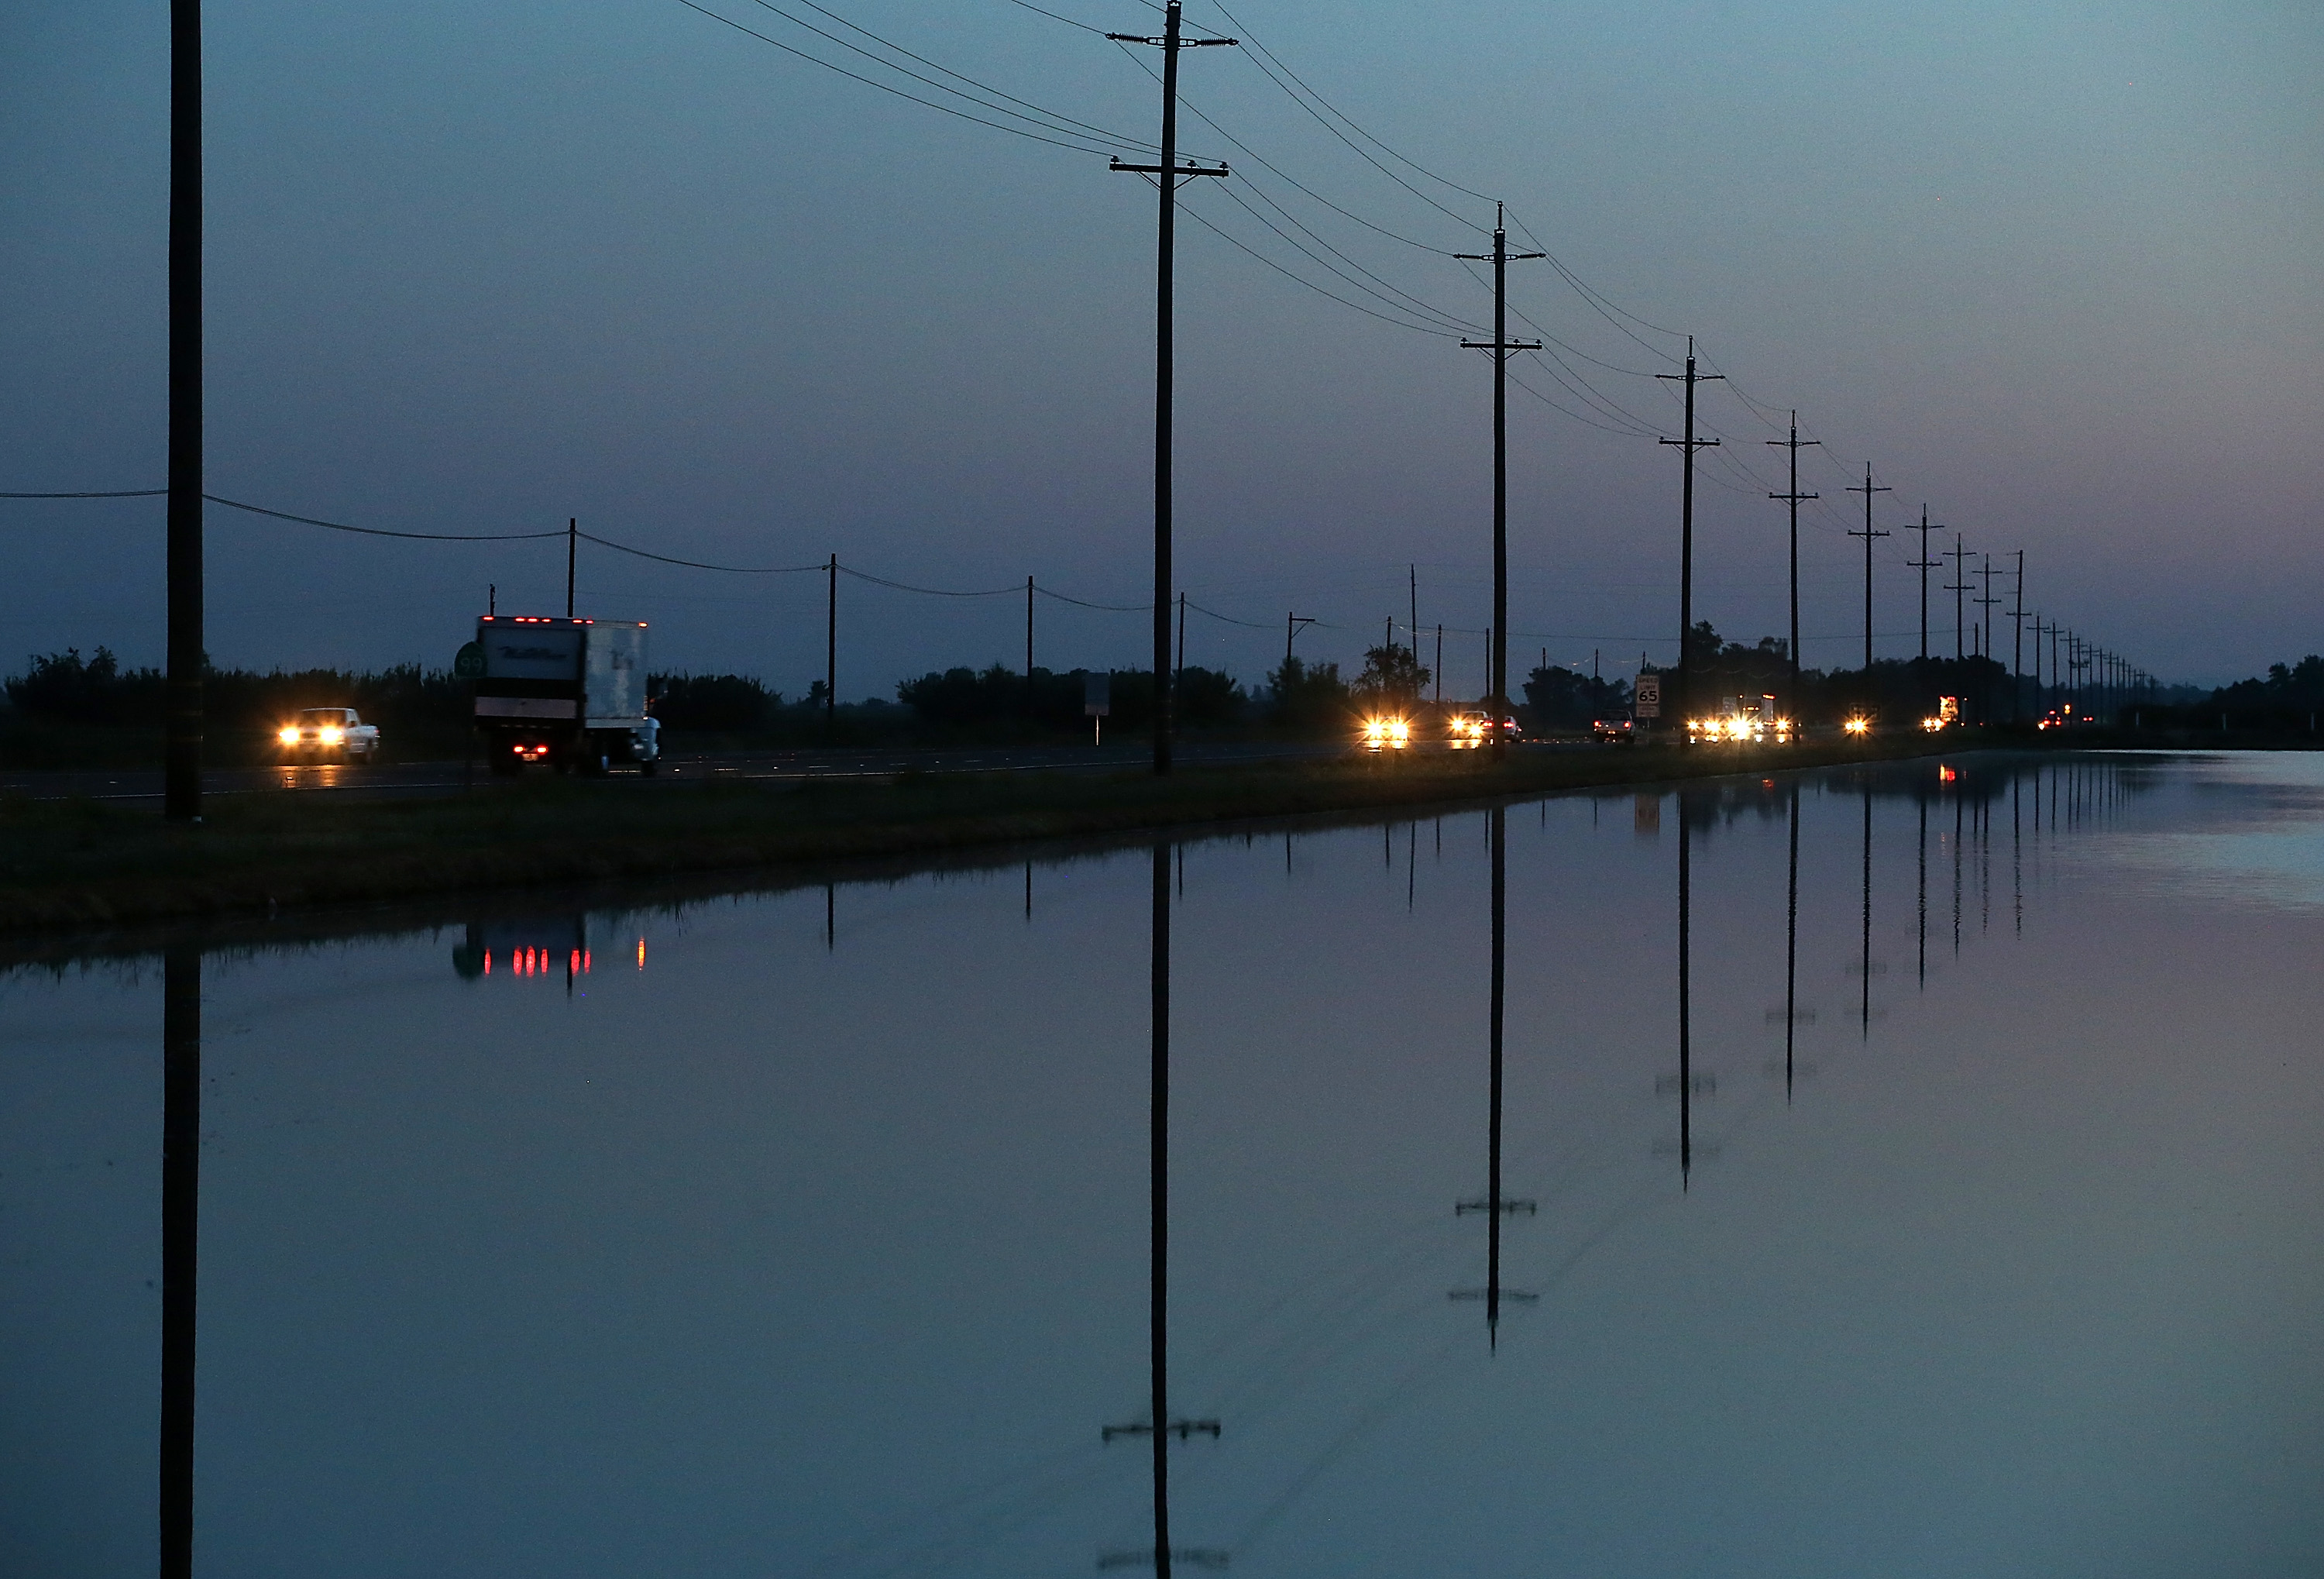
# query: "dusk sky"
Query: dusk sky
{"points": [[2056, 270]]}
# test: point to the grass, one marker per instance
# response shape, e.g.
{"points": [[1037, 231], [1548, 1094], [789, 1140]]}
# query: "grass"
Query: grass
{"points": [[79, 864]]}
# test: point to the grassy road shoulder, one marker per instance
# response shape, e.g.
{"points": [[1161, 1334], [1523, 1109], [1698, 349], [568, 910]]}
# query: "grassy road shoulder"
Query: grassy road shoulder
{"points": [[78, 864]]}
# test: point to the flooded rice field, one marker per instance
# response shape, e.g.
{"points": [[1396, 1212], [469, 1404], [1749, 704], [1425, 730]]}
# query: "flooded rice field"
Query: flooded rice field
{"points": [[1909, 1171]]}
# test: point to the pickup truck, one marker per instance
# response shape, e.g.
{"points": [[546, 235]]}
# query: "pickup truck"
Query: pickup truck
{"points": [[318, 733]]}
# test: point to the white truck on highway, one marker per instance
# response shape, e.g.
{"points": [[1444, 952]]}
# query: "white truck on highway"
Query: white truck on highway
{"points": [[568, 692]]}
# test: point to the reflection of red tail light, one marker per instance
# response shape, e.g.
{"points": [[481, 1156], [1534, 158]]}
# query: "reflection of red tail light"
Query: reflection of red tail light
{"points": [[488, 962], [1946, 775]]}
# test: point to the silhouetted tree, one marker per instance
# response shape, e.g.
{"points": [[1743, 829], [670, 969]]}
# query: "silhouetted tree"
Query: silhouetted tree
{"points": [[1393, 677]]}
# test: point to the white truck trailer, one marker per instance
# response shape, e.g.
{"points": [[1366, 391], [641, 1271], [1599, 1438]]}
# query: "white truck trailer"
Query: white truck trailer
{"points": [[568, 692]]}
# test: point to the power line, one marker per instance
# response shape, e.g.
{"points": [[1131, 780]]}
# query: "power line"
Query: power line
{"points": [[1078, 147], [111, 493], [1126, 142], [433, 537], [1260, 49]]}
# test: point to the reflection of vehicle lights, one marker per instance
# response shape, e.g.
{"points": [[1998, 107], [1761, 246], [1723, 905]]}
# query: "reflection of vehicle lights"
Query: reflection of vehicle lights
{"points": [[331, 734], [1946, 775], [1858, 726], [641, 954], [288, 735]]}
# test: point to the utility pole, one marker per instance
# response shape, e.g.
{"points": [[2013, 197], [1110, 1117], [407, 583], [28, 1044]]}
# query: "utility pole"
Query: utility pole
{"points": [[572, 539], [831, 654], [1986, 603], [1181, 668], [1794, 498], [1028, 641], [1439, 676], [1413, 571], [1957, 586], [182, 749], [1166, 176], [1496, 660], [2017, 646], [1687, 446], [1291, 624], [1867, 534], [1924, 565]]}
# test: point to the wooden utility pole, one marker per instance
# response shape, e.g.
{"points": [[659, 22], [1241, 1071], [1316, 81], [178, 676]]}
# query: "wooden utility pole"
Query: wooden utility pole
{"points": [[1958, 585], [1924, 565], [1497, 662], [1687, 447], [185, 647], [830, 653], [1794, 499], [1867, 534], [1166, 176], [2017, 644]]}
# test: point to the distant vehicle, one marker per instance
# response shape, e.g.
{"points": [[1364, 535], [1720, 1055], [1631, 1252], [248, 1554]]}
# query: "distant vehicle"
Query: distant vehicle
{"points": [[570, 693], [1383, 733], [1946, 715], [1614, 732], [1741, 719], [318, 732], [1470, 729]]}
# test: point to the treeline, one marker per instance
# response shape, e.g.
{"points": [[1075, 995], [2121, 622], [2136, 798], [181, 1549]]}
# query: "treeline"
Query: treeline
{"points": [[64, 687]]}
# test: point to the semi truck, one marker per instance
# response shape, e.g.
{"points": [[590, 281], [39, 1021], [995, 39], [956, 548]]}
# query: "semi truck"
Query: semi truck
{"points": [[570, 693]]}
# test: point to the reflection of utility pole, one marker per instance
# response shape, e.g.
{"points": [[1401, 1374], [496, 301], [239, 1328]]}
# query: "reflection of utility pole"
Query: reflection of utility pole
{"points": [[1492, 1204], [1687, 447], [1865, 1013], [1685, 1084], [1159, 1426], [181, 1137], [1921, 900], [1791, 942], [1497, 662], [1867, 534], [1794, 444]]}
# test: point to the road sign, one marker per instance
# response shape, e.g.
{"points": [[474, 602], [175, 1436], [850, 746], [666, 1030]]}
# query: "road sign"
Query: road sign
{"points": [[1646, 696], [1097, 695], [468, 663]]}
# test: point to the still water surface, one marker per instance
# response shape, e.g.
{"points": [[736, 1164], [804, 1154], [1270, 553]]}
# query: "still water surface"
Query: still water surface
{"points": [[1912, 1172]]}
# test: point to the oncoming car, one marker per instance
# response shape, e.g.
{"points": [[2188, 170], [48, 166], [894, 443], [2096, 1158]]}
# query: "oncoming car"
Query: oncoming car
{"points": [[319, 733], [1387, 734], [1471, 729]]}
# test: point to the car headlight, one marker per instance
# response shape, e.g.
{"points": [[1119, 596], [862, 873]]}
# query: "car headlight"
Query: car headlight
{"points": [[331, 734], [288, 735]]}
